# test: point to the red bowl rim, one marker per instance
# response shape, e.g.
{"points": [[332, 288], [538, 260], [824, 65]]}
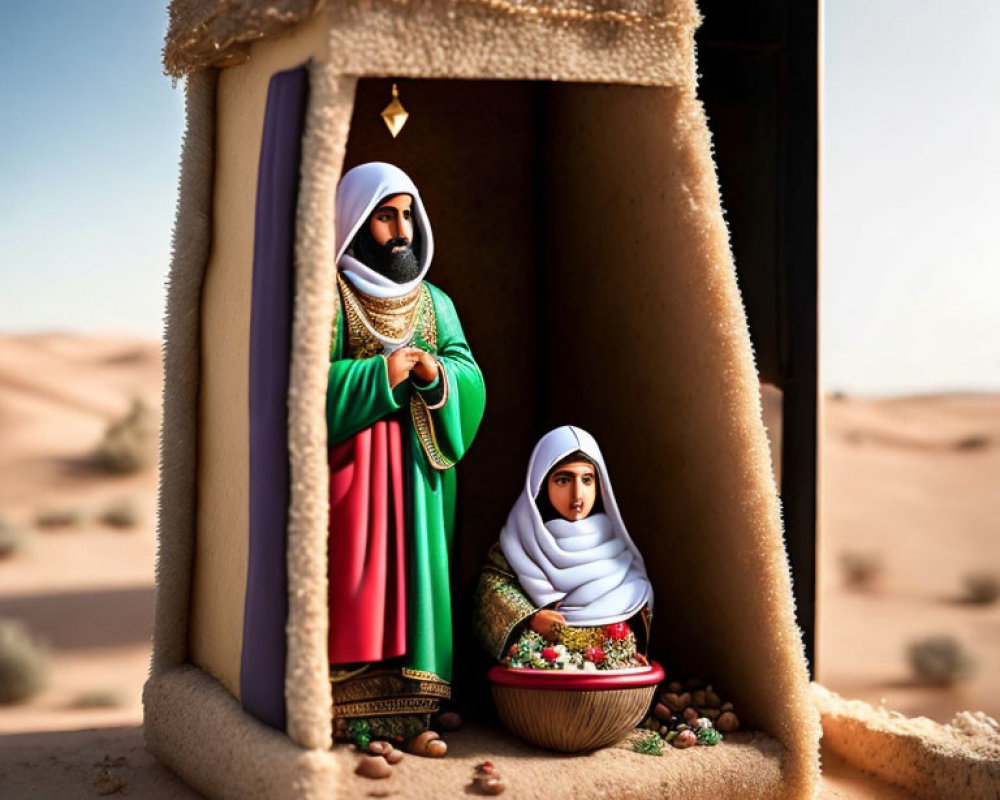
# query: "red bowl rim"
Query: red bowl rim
{"points": [[575, 681]]}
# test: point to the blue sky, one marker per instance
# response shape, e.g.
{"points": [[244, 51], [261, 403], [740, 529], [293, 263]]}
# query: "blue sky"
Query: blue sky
{"points": [[911, 196], [91, 131], [89, 145]]}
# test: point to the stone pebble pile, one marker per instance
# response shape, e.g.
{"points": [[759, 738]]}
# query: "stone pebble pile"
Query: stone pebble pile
{"points": [[691, 713]]}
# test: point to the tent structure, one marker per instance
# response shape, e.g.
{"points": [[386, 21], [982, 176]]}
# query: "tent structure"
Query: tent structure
{"points": [[564, 158]]}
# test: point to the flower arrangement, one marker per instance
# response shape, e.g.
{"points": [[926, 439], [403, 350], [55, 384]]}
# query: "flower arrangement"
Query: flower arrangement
{"points": [[589, 650]]}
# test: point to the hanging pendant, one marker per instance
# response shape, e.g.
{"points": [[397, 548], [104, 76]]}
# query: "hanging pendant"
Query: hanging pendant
{"points": [[394, 114]]}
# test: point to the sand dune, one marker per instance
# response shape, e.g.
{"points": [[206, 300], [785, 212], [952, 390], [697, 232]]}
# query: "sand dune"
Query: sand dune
{"points": [[916, 479]]}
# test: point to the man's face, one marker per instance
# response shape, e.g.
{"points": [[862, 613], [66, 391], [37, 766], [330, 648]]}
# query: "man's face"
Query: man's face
{"points": [[392, 221], [385, 244], [573, 490]]}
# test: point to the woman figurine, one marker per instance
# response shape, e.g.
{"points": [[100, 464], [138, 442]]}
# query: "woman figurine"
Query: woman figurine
{"points": [[565, 587]]}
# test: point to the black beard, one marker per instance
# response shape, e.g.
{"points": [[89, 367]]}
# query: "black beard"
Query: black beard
{"points": [[401, 266]]}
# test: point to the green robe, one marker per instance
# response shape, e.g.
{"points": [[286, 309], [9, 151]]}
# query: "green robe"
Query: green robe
{"points": [[358, 394]]}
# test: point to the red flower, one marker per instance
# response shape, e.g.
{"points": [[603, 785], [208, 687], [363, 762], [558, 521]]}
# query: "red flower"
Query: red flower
{"points": [[550, 654], [616, 630], [595, 654]]}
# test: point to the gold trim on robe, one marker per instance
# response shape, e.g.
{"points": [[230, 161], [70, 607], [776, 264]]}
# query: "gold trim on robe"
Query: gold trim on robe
{"points": [[388, 692], [500, 604]]}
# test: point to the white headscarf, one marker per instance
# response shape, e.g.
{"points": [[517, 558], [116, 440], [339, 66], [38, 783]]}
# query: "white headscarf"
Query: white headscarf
{"points": [[358, 195], [591, 565]]}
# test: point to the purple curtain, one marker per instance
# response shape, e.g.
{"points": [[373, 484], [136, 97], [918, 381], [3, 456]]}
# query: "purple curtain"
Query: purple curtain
{"points": [[262, 665]]}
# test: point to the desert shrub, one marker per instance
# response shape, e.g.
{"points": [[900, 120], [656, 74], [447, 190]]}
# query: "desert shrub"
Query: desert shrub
{"points": [[58, 518], [940, 661], [123, 513], [24, 663], [974, 441], [982, 587], [862, 569], [98, 698], [129, 443], [13, 538]]}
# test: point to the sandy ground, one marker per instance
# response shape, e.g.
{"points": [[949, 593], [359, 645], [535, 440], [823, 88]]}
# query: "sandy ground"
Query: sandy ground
{"points": [[915, 480], [912, 479]]}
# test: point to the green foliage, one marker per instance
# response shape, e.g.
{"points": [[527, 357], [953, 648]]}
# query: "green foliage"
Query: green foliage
{"points": [[13, 538], [982, 588], [122, 513], [940, 661], [24, 664], [648, 743], [709, 736], [360, 731], [129, 443]]}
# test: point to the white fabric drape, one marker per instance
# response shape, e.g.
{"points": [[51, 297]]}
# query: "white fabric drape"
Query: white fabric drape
{"points": [[358, 195], [592, 565]]}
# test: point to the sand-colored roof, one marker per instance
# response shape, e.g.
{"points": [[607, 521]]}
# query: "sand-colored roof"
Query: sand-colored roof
{"points": [[206, 33]]}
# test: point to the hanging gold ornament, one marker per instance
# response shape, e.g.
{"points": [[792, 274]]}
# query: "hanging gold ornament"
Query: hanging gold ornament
{"points": [[394, 114]]}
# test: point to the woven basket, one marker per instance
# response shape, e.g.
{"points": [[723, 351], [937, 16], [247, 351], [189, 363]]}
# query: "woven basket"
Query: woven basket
{"points": [[573, 712]]}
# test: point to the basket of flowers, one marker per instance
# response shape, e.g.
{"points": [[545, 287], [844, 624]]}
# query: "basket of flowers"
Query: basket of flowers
{"points": [[586, 691]]}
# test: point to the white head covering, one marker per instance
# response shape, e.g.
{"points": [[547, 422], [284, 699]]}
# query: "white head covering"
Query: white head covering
{"points": [[591, 565], [358, 195]]}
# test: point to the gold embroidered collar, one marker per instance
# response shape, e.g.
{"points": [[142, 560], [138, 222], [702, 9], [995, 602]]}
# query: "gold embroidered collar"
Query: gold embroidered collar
{"points": [[391, 319]]}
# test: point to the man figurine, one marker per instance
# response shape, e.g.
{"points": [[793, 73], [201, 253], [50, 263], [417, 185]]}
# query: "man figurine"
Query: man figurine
{"points": [[404, 401]]}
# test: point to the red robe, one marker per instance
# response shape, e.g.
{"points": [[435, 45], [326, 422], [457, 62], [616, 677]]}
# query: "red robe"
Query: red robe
{"points": [[368, 575]]}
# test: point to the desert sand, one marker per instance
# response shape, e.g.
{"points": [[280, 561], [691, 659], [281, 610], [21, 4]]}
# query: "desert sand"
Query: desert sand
{"points": [[912, 479]]}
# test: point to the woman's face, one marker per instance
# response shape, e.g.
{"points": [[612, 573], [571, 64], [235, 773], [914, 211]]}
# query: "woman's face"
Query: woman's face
{"points": [[573, 489]]}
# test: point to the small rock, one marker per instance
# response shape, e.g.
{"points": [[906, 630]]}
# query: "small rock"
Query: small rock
{"points": [[685, 739], [690, 715], [418, 744], [726, 707], [450, 721], [394, 756], [727, 722], [672, 701], [664, 730], [684, 699], [379, 748], [373, 767], [436, 748], [711, 713], [489, 784], [662, 712], [106, 784], [487, 780], [698, 699], [712, 699]]}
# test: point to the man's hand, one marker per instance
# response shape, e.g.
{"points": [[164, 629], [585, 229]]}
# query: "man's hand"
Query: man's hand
{"points": [[426, 368], [400, 364], [544, 622]]}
